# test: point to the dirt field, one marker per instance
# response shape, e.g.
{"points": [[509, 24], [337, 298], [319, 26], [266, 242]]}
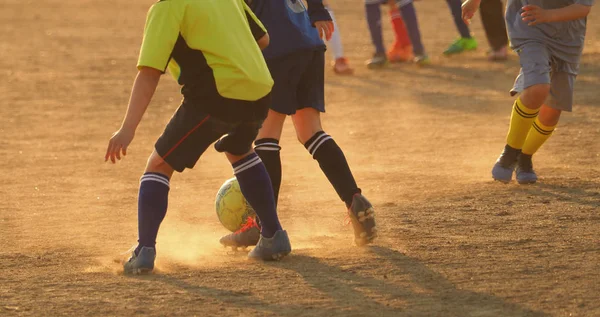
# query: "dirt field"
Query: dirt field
{"points": [[421, 143]]}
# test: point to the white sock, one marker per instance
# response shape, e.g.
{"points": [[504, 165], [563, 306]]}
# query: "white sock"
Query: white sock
{"points": [[335, 44]]}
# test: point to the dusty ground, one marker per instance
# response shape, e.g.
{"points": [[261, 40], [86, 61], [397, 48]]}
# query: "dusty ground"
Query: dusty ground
{"points": [[420, 141]]}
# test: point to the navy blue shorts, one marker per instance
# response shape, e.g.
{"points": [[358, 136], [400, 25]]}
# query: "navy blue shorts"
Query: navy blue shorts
{"points": [[192, 130], [299, 81]]}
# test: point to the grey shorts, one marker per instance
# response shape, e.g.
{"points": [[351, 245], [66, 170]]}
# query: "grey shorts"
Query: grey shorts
{"points": [[538, 66]]}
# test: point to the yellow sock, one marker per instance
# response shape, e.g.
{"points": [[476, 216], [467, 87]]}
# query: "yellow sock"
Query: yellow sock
{"points": [[520, 124], [538, 134]]}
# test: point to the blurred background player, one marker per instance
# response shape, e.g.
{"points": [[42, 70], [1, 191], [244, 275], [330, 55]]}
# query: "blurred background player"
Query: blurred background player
{"points": [[340, 62], [225, 90], [406, 31], [549, 51], [296, 59], [492, 18], [465, 42]]}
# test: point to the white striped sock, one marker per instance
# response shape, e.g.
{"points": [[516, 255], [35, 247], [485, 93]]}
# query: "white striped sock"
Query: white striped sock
{"points": [[247, 165], [316, 141], [155, 178], [319, 144]]}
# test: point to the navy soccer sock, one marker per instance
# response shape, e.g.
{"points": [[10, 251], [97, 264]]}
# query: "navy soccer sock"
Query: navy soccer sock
{"points": [[269, 152], [455, 8], [373, 12], [255, 185], [409, 15], [152, 207], [333, 163]]}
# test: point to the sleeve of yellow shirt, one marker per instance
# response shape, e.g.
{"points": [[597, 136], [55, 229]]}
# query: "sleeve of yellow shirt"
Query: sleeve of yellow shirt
{"points": [[160, 35], [257, 28]]}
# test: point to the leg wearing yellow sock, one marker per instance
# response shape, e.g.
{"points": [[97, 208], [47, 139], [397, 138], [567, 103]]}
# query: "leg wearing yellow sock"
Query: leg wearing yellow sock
{"points": [[524, 112], [520, 123], [541, 130]]}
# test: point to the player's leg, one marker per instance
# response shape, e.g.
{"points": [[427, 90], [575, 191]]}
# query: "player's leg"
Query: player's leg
{"points": [[286, 72], [268, 149], [466, 42], [340, 65], [334, 165], [255, 185], [401, 50], [561, 99], [326, 152], [534, 83], [152, 208], [409, 15], [524, 112], [331, 158], [492, 18], [185, 138], [373, 15]]}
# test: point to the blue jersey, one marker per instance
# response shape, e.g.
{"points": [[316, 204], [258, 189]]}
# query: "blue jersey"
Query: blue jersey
{"points": [[290, 25]]}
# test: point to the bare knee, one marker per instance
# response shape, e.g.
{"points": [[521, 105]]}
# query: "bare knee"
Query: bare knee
{"points": [[549, 116], [272, 126], [307, 122], [534, 97], [156, 164]]}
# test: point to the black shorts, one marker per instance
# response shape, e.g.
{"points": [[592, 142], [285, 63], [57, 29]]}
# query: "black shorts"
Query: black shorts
{"points": [[191, 131], [299, 81]]}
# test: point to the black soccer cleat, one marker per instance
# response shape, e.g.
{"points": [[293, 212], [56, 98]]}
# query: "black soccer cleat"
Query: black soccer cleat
{"points": [[525, 172], [246, 236], [362, 215], [505, 165], [272, 249], [141, 263]]}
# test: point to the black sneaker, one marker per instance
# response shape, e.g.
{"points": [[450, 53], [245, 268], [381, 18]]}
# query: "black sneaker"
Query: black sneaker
{"points": [[272, 249], [141, 263], [362, 215], [378, 60], [248, 235], [525, 172], [505, 165]]}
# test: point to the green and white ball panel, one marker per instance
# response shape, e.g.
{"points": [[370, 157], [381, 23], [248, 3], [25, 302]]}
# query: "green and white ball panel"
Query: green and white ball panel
{"points": [[232, 208]]}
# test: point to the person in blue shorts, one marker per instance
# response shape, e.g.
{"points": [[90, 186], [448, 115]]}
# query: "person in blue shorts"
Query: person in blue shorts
{"points": [[296, 60]]}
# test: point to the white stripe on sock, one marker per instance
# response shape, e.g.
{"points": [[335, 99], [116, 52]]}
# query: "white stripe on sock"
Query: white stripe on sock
{"points": [[267, 148], [254, 160], [155, 178], [266, 143], [310, 147], [318, 145]]}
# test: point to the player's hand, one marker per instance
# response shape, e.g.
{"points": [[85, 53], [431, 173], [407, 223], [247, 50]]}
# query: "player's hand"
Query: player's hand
{"points": [[118, 144], [469, 8], [325, 29], [535, 15]]}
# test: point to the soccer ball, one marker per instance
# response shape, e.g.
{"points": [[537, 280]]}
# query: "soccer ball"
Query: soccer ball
{"points": [[232, 208]]}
